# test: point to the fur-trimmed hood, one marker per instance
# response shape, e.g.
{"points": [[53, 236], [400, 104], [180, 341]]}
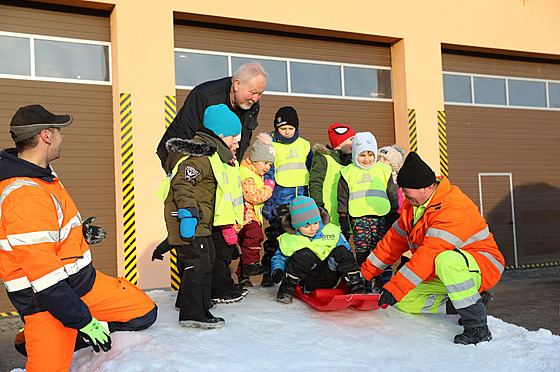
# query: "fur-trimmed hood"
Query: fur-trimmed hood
{"points": [[287, 221], [188, 147], [321, 149]]}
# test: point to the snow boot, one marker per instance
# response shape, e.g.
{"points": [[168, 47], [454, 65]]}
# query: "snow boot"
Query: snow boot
{"points": [[287, 288], [472, 336], [244, 282], [354, 281], [254, 269], [267, 281], [234, 295], [208, 322]]}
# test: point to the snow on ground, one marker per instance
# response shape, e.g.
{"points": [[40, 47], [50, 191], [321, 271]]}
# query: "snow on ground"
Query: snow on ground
{"points": [[264, 335]]}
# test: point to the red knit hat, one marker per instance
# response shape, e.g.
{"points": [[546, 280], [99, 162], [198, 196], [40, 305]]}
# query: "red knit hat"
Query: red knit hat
{"points": [[339, 133]]}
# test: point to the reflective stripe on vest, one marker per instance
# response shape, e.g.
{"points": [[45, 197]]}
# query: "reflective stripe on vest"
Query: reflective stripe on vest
{"points": [[367, 190], [247, 173], [322, 247], [289, 168], [228, 203], [330, 188]]}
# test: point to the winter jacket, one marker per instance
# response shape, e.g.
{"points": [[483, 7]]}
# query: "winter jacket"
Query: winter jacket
{"points": [[194, 185], [189, 118], [45, 262], [253, 194], [284, 195], [279, 260], [451, 221], [319, 167]]}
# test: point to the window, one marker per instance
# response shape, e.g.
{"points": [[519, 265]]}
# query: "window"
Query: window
{"points": [[194, 68], [554, 94], [314, 78], [489, 91], [277, 76], [502, 91], [457, 88], [58, 59], [288, 76], [527, 93], [24, 56], [15, 57], [367, 82]]}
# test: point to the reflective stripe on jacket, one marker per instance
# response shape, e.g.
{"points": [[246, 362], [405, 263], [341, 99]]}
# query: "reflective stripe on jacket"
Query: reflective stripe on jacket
{"points": [[451, 220], [45, 262]]}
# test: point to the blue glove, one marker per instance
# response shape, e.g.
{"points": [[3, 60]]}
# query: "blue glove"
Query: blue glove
{"points": [[189, 220]]}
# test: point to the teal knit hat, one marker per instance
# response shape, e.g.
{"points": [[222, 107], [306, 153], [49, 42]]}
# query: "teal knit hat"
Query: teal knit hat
{"points": [[222, 121], [304, 211]]}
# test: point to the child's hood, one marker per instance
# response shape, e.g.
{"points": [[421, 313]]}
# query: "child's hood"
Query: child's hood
{"points": [[364, 141], [179, 147]]}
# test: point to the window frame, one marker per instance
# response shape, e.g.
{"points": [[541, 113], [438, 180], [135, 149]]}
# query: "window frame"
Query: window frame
{"points": [[507, 80], [340, 65], [33, 76]]}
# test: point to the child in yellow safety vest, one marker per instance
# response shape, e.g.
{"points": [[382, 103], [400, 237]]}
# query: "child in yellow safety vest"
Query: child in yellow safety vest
{"points": [[255, 192], [326, 165], [363, 197], [291, 174], [313, 253]]}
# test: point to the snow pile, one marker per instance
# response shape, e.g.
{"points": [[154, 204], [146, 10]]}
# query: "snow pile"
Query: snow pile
{"points": [[264, 335]]}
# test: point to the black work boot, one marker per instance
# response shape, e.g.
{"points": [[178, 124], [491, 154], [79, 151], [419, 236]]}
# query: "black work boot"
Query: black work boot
{"points": [[207, 322], [473, 336], [254, 269], [354, 282], [287, 288]]}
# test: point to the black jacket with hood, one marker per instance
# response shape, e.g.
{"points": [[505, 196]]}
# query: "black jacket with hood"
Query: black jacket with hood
{"points": [[190, 117]]}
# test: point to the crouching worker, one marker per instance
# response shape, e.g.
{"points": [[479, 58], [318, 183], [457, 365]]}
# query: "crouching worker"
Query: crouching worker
{"points": [[45, 260], [312, 253], [455, 259], [197, 167]]}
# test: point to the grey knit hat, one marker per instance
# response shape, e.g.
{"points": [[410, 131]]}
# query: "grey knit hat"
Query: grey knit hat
{"points": [[262, 149], [393, 156]]}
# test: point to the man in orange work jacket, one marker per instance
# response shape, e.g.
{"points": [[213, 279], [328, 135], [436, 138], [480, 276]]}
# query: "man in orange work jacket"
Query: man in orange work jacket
{"points": [[45, 261], [454, 256]]}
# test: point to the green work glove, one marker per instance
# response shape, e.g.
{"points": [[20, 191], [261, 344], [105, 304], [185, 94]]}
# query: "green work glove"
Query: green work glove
{"points": [[96, 335]]}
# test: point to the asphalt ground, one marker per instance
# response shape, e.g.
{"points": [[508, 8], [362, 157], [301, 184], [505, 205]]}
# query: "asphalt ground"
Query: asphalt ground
{"points": [[529, 298]]}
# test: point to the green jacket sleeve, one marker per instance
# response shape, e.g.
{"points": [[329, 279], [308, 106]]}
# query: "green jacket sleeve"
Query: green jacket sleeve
{"points": [[317, 177]]}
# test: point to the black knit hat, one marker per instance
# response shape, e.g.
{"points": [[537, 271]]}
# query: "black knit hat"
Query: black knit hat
{"points": [[286, 115], [415, 173]]}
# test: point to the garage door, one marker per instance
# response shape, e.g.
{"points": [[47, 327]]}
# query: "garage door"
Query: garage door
{"points": [[82, 89], [502, 124], [326, 81]]}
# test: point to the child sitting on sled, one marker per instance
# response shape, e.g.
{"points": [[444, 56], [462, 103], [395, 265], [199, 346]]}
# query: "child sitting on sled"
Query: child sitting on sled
{"points": [[312, 253]]}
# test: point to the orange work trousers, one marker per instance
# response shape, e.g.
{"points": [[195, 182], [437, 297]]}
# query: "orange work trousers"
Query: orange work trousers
{"points": [[50, 345]]}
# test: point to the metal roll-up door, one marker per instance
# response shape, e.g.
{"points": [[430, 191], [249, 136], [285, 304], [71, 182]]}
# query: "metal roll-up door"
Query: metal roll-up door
{"points": [[315, 114], [86, 167], [489, 145]]}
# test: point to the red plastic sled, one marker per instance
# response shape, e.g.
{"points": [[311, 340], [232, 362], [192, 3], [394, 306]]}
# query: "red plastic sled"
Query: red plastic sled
{"points": [[338, 299]]}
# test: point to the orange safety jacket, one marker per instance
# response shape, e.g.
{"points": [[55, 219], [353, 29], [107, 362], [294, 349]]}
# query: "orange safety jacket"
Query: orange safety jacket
{"points": [[45, 262], [450, 221]]}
